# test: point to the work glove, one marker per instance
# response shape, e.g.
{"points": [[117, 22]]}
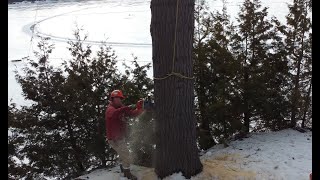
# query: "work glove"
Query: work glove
{"points": [[139, 104], [132, 106]]}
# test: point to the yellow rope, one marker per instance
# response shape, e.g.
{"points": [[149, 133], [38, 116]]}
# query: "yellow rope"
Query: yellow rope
{"points": [[174, 52], [175, 36], [174, 74]]}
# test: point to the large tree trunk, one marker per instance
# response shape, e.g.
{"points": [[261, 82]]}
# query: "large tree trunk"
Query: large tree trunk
{"points": [[176, 148]]}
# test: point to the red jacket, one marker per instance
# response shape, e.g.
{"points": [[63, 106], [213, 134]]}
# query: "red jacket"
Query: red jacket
{"points": [[115, 125]]}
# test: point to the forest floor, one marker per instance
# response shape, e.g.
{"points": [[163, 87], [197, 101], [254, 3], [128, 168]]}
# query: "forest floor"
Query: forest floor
{"points": [[282, 155]]}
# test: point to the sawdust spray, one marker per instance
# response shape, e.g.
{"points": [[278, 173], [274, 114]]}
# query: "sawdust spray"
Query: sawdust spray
{"points": [[141, 139]]}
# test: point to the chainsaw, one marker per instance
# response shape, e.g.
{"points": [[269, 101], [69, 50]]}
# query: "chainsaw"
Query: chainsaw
{"points": [[148, 104]]}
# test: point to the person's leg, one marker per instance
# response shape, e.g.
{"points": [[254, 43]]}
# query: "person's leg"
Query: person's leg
{"points": [[121, 148], [114, 145]]}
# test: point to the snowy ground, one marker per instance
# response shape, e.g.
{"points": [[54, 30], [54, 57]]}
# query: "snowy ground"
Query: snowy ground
{"points": [[283, 155]]}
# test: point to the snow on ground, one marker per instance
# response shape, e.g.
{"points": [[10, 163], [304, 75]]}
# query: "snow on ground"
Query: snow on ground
{"points": [[278, 155]]}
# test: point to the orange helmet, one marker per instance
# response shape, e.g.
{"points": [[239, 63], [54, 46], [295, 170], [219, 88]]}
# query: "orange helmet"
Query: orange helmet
{"points": [[117, 93]]}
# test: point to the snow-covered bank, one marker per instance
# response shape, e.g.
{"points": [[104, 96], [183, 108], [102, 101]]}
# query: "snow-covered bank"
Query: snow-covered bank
{"points": [[281, 155]]}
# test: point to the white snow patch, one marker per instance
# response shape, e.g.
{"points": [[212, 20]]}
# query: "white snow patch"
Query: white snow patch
{"points": [[278, 155]]}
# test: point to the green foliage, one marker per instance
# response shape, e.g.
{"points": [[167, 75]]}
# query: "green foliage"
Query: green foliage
{"points": [[299, 45], [245, 73], [63, 133]]}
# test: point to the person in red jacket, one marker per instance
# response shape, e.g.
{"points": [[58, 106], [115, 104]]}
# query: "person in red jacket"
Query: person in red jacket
{"points": [[310, 176], [116, 128]]}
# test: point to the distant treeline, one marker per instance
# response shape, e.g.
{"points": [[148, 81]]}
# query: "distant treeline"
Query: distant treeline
{"points": [[15, 1]]}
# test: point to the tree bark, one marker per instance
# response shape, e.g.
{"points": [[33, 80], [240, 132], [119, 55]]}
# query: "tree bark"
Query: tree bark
{"points": [[176, 148]]}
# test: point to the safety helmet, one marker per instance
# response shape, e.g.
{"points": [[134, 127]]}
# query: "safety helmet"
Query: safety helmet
{"points": [[117, 93]]}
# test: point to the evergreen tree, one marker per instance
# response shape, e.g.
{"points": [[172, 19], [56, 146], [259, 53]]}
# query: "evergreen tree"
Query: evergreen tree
{"points": [[16, 137], [298, 45], [273, 106], [307, 97], [225, 69], [201, 35], [253, 36], [216, 70], [64, 129], [47, 144]]}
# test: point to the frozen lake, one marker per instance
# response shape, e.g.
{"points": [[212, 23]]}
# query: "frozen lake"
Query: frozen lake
{"points": [[125, 24]]}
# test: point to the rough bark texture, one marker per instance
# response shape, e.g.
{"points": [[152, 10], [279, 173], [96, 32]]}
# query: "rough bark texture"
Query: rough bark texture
{"points": [[176, 148]]}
